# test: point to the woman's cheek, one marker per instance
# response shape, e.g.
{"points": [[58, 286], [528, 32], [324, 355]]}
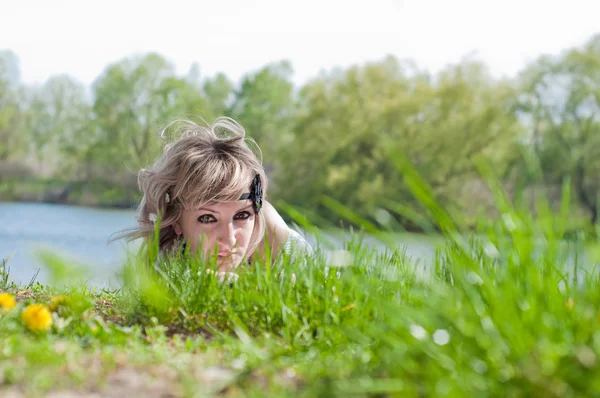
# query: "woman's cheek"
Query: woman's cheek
{"points": [[199, 238], [247, 233]]}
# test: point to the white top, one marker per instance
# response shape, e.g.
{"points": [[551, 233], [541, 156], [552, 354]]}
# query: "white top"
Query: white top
{"points": [[296, 245]]}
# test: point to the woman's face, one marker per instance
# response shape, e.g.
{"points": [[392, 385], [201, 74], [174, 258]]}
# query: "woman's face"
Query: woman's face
{"points": [[228, 226]]}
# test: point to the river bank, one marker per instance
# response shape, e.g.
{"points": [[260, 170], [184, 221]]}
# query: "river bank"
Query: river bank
{"points": [[99, 195]]}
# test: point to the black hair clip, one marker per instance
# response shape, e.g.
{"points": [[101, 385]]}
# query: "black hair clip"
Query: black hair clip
{"points": [[256, 194]]}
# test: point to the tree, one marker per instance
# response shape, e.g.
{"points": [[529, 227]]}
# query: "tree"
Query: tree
{"points": [[264, 105], [351, 123], [58, 122], [133, 100], [12, 140], [561, 105], [219, 92]]}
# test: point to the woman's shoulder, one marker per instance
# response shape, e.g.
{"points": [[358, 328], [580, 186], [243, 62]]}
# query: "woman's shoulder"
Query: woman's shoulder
{"points": [[296, 247], [281, 237], [295, 241]]}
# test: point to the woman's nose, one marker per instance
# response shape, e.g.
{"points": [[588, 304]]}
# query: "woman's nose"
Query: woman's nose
{"points": [[227, 237]]}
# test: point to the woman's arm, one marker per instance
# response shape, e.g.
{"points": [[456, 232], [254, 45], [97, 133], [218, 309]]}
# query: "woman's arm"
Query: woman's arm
{"points": [[276, 232]]}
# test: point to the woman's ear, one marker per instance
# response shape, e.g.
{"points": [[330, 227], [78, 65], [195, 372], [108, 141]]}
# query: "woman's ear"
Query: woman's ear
{"points": [[177, 228]]}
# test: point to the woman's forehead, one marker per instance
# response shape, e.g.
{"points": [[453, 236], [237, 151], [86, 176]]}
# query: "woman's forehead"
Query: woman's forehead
{"points": [[226, 206]]}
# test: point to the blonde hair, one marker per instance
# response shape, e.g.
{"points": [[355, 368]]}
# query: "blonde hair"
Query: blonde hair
{"points": [[205, 164]]}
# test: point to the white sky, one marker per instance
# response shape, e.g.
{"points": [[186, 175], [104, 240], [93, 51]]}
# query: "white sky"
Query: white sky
{"points": [[237, 36]]}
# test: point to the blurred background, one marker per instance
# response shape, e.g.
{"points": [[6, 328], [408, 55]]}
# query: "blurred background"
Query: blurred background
{"points": [[330, 90]]}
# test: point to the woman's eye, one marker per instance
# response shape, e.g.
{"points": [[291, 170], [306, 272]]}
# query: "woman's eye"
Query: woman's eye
{"points": [[244, 215], [206, 218]]}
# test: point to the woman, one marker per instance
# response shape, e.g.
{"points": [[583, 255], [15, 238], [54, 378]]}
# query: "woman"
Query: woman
{"points": [[209, 190]]}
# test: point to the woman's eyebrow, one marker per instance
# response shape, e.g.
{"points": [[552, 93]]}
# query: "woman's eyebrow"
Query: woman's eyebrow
{"points": [[246, 207], [206, 209]]}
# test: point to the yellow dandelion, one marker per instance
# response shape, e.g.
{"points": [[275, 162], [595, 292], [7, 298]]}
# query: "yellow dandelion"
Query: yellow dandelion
{"points": [[570, 303], [57, 302], [7, 302], [37, 317]]}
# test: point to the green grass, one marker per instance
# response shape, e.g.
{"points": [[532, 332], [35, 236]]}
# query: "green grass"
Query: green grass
{"points": [[510, 311]]}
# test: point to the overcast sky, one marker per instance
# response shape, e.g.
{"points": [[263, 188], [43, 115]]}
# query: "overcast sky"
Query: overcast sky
{"points": [[81, 37]]}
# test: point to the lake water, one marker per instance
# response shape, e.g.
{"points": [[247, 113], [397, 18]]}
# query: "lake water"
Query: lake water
{"points": [[79, 233], [82, 234]]}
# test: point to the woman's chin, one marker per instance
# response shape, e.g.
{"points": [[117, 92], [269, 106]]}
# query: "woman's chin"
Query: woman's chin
{"points": [[226, 265]]}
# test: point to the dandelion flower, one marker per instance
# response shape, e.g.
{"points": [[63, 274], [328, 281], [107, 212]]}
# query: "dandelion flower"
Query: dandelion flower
{"points": [[7, 302], [418, 332], [441, 337], [570, 303], [57, 302], [491, 250], [230, 276], [37, 317]]}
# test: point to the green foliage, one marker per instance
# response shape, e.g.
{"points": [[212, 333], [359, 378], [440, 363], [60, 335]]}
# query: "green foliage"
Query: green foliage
{"points": [[218, 91], [349, 123], [134, 99], [264, 105], [561, 102], [12, 143]]}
